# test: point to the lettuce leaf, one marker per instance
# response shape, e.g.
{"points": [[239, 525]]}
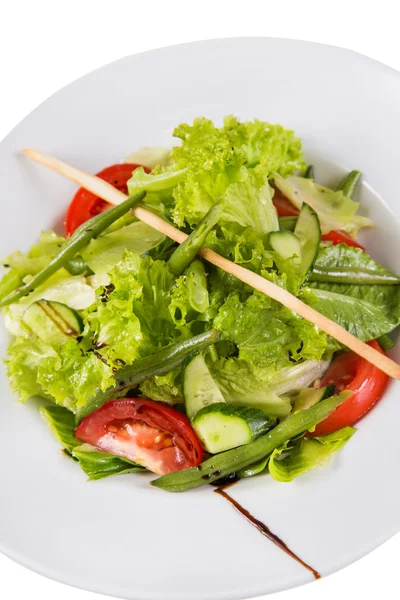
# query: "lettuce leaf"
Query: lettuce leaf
{"points": [[159, 185], [215, 158], [167, 388], [249, 202], [299, 456], [19, 265], [272, 146], [353, 262], [24, 357], [264, 387], [250, 143], [144, 309], [72, 376], [239, 244], [98, 465], [286, 273], [95, 464], [239, 385], [366, 311], [154, 182], [334, 209], [103, 253], [266, 333], [150, 156], [62, 423], [212, 160], [293, 377]]}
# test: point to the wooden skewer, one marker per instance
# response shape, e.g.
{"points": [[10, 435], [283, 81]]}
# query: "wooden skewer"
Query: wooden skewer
{"points": [[107, 192]]}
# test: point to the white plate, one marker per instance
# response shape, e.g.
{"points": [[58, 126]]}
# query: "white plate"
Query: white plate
{"points": [[120, 536]]}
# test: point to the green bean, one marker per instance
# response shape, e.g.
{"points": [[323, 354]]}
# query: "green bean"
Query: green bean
{"points": [[352, 275], [77, 266], [231, 461], [385, 342], [309, 172], [159, 363], [186, 252], [287, 223], [212, 353], [80, 238], [349, 183], [196, 285]]}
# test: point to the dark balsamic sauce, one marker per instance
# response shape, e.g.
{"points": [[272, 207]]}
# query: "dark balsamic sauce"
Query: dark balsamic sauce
{"points": [[100, 357], [99, 345], [263, 529], [226, 481]]}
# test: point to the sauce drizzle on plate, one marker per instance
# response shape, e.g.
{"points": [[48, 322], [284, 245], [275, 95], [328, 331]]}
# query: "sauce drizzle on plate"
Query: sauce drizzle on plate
{"points": [[264, 530]]}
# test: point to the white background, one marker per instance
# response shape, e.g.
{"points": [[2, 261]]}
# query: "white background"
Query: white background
{"points": [[45, 44]]}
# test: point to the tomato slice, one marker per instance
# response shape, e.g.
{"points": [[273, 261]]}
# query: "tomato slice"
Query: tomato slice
{"points": [[149, 433], [340, 237], [351, 372], [85, 205], [283, 206]]}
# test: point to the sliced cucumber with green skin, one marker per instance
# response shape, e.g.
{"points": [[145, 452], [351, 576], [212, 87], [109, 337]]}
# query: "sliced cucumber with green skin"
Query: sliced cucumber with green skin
{"points": [[286, 244], [310, 396], [199, 387], [53, 322], [308, 231], [287, 223], [220, 427]]}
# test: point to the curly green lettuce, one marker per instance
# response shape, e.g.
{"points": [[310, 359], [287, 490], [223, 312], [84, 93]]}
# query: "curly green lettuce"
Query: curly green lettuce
{"points": [[268, 334], [210, 160]]}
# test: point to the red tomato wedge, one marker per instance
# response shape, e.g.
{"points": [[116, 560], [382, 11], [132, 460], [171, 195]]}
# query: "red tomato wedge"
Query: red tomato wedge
{"points": [[351, 372], [85, 205], [340, 237], [286, 209], [146, 432], [283, 206]]}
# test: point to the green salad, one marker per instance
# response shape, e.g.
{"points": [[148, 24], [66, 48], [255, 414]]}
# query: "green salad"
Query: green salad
{"points": [[149, 358]]}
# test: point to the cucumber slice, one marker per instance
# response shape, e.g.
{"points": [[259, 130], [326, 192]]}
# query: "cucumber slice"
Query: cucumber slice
{"points": [[287, 223], [199, 387], [286, 244], [54, 323], [308, 231], [310, 396], [222, 426]]}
